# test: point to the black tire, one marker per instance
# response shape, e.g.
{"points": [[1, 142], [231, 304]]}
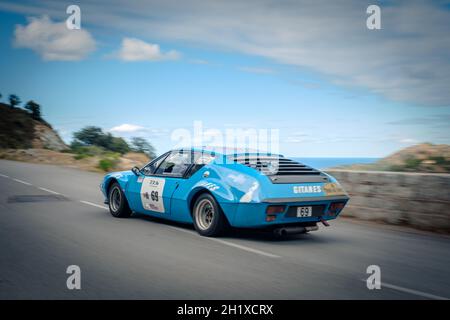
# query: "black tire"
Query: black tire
{"points": [[218, 222], [118, 204]]}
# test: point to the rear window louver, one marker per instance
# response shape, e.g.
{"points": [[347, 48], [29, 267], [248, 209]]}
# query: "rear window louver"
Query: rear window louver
{"points": [[278, 166]]}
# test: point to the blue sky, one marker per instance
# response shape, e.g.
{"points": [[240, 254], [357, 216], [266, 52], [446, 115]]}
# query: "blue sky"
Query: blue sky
{"points": [[366, 94]]}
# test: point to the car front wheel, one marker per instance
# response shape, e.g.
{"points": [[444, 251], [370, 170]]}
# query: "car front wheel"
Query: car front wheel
{"points": [[118, 204], [208, 217]]}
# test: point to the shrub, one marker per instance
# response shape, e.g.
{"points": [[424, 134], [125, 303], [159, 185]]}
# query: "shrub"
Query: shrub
{"points": [[412, 163], [106, 164], [109, 161], [439, 160]]}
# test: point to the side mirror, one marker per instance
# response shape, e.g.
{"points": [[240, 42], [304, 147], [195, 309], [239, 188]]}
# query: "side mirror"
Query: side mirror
{"points": [[136, 171]]}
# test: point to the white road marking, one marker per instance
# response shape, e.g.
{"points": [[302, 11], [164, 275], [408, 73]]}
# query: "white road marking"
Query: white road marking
{"points": [[48, 190], [411, 291], [24, 182], [94, 205], [231, 244], [54, 192], [4, 175]]}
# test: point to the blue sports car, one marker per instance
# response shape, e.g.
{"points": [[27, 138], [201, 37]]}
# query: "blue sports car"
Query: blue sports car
{"points": [[216, 190]]}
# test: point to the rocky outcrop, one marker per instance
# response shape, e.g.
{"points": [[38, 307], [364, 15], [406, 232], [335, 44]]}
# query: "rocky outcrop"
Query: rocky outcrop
{"points": [[47, 138], [18, 130]]}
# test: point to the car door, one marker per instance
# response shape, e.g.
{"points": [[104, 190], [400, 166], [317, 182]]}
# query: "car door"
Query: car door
{"points": [[158, 185], [157, 194], [135, 184]]}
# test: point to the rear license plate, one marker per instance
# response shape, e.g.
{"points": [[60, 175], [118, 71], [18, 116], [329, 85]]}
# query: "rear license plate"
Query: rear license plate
{"points": [[304, 212]]}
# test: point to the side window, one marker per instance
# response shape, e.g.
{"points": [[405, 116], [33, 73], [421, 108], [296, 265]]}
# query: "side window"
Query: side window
{"points": [[203, 158], [199, 159], [175, 164], [152, 166]]}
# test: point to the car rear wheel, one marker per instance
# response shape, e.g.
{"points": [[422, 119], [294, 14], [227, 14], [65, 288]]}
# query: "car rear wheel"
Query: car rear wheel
{"points": [[209, 219], [118, 204]]}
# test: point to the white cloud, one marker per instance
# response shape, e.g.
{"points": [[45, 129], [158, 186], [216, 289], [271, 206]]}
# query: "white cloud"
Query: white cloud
{"points": [[409, 141], [133, 49], [127, 128], [53, 41]]}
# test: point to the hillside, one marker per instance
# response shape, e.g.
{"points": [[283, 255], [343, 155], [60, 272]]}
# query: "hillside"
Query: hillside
{"points": [[23, 138], [424, 157], [19, 131]]}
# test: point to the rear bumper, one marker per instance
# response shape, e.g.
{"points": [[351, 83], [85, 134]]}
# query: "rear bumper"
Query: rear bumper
{"points": [[253, 215], [307, 199]]}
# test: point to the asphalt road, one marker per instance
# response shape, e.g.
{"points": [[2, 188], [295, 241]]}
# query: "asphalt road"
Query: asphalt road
{"points": [[53, 217]]}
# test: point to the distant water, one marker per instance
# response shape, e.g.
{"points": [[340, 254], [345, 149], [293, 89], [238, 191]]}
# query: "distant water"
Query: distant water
{"points": [[322, 163]]}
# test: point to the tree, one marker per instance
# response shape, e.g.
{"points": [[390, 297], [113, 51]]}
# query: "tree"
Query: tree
{"points": [[119, 145], [14, 100], [89, 135], [94, 136], [139, 144], [35, 109]]}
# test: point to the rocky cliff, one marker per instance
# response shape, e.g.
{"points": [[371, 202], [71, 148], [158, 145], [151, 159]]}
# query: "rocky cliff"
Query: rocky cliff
{"points": [[18, 130]]}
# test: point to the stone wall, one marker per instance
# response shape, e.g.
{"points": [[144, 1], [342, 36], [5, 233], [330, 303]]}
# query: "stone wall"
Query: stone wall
{"points": [[419, 200]]}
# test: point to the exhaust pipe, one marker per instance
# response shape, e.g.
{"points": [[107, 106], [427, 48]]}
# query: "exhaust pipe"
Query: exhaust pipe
{"points": [[324, 222], [284, 231]]}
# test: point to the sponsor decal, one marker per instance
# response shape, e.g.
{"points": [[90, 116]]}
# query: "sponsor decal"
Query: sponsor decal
{"points": [[140, 179], [333, 189], [307, 189], [152, 191], [210, 186]]}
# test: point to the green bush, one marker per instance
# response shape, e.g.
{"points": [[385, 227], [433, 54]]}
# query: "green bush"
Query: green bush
{"points": [[441, 161], [412, 163], [109, 161], [106, 164]]}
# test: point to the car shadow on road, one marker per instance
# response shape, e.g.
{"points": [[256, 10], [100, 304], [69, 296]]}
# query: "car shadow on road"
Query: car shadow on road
{"points": [[245, 234]]}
